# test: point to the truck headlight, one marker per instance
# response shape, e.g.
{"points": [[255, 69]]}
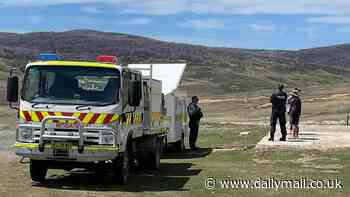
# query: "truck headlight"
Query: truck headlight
{"points": [[107, 138], [25, 134]]}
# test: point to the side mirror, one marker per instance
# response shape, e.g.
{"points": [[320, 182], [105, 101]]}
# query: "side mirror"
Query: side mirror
{"points": [[12, 89], [135, 93]]}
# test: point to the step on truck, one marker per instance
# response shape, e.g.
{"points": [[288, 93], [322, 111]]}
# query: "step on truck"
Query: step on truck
{"points": [[94, 115]]}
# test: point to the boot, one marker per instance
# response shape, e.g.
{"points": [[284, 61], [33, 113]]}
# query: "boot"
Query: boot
{"points": [[295, 132]]}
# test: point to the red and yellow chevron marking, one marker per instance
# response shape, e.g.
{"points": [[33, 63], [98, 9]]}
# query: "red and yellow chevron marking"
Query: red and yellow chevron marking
{"points": [[138, 118], [86, 118], [135, 118]]}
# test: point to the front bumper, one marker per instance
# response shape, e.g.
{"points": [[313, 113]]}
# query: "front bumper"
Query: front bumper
{"points": [[91, 153]]}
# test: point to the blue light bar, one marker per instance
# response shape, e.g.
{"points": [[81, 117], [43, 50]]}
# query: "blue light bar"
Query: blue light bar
{"points": [[49, 57]]}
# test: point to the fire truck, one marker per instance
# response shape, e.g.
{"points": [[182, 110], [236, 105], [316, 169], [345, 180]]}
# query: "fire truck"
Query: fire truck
{"points": [[94, 115]]}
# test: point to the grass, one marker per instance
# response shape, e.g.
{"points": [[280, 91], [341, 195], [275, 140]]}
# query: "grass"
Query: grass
{"points": [[185, 174], [279, 165], [214, 135]]}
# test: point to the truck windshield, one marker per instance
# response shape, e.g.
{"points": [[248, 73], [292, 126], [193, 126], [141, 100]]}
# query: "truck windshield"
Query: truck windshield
{"points": [[71, 85]]}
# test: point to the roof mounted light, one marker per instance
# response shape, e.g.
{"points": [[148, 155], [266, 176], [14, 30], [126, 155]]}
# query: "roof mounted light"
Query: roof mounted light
{"points": [[107, 59], [49, 57]]}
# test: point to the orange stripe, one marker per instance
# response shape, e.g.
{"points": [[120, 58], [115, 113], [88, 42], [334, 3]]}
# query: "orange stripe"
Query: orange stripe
{"points": [[27, 116], [82, 116], [39, 115], [93, 119], [67, 113], [107, 119]]}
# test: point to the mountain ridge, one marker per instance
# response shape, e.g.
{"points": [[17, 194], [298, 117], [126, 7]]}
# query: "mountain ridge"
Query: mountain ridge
{"points": [[210, 71]]}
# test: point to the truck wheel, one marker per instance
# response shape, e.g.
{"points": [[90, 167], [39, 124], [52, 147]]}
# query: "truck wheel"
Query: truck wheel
{"points": [[150, 160], [180, 145], [38, 170], [155, 156], [165, 145], [122, 168]]}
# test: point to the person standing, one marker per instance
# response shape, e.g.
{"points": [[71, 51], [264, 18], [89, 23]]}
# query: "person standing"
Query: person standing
{"points": [[195, 114], [278, 100], [294, 111]]}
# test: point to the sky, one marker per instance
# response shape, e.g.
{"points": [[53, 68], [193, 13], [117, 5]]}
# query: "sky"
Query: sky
{"points": [[258, 24]]}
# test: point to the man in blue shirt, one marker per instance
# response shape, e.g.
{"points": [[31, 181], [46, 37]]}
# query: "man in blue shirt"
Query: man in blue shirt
{"points": [[278, 100], [195, 114]]}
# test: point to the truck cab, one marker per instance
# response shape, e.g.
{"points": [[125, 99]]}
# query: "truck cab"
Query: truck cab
{"points": [[86, 114]]}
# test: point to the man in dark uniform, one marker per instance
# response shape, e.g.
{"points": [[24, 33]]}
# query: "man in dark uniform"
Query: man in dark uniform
{"points": [[278, 100], [195, 114]]}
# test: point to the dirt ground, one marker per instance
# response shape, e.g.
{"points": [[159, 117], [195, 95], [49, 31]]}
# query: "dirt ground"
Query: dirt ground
{"points": [[319, 137]]}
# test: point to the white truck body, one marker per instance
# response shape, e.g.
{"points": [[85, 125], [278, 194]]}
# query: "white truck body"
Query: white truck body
{"points": [[177, 112], [175, 102]]}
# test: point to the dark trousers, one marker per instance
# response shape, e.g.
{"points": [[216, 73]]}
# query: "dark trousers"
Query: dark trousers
{"points": [[281, 117], [194, 125], [294, 119]]}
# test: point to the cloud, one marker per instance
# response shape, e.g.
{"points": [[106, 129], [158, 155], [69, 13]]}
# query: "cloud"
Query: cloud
{"points": [[166, 7], [262, 28], [137, 21], [36, 19], [204, 24], [311, 32], [14, 30], [35, 3], [330, 20], [343, 29], [156, 7], [307, 7], [91, 10]]}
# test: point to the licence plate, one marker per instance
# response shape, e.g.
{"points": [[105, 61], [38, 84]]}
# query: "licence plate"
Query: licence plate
{"points": [[61, 150], [67, 125], [61, 146]]}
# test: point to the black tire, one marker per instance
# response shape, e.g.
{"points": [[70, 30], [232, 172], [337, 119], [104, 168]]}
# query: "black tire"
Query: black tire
{"points": [[180, 145], [151, 160], [38, 170], [155, 161], [165, 145], [122, 168]]}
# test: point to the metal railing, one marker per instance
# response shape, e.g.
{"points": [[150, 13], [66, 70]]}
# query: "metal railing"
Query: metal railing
{"points": [[44, 136]]}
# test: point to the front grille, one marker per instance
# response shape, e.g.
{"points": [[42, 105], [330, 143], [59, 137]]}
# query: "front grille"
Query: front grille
{"points": [[66, 130], [91, 137]]}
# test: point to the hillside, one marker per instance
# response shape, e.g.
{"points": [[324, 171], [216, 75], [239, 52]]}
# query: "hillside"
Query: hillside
{"points": [[211, 71]]}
